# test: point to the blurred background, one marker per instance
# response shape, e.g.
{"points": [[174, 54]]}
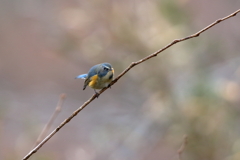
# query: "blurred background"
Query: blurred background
{"points": [[192, 89]]}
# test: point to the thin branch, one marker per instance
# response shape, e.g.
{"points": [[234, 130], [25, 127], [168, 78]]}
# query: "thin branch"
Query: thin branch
{"points": [[119, 76], [181, 149], [53, 117]]}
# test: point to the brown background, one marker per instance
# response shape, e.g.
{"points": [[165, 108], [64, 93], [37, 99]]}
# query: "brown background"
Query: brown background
{"points": [[190, 89]]}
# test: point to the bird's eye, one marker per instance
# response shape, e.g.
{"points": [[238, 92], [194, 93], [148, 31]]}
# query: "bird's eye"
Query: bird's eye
{"points": [[106, 69]]}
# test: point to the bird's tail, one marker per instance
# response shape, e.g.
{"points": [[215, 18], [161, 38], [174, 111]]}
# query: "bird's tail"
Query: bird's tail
{"points": [[82, 76]]}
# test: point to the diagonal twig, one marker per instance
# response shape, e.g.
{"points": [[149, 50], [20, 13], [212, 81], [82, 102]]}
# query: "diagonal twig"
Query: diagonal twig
{"points": [[53, 117], [34, 150], [181, 149]]}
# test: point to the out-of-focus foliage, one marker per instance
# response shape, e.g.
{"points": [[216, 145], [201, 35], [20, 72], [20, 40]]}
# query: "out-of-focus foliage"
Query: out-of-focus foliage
{"points": [[190, 89]]}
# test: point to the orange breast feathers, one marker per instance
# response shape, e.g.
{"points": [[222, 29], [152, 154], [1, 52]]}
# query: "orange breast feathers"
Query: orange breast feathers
{"points": [[93, 81]]}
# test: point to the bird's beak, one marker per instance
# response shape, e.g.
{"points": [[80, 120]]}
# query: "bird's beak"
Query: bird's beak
{"points": [[112, 70]]}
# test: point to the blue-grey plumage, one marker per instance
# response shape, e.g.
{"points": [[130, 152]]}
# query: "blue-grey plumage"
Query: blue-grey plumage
{"points": [[98, 77], [82, 76]]}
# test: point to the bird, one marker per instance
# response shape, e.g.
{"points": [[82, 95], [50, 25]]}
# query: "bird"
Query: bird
{"points": [[98, 77]]}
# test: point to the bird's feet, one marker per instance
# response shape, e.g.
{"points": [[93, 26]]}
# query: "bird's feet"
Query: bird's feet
{"points": [[96, 93]]}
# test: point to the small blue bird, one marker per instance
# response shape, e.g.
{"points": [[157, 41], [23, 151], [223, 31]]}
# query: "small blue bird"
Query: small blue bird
{"points": [[98, 77]]}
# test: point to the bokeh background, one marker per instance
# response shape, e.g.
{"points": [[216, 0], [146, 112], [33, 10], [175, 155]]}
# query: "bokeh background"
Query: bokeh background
{"points": [[192, 89]]}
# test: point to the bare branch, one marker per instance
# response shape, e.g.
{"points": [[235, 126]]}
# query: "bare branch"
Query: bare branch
{"points": [[53, 117], [181, 149], [119, 76]]}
